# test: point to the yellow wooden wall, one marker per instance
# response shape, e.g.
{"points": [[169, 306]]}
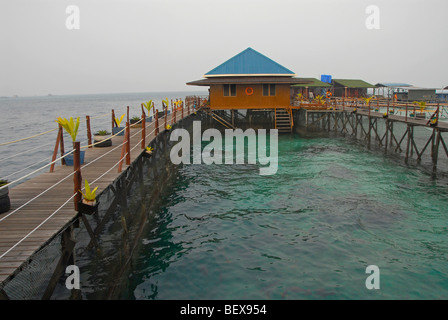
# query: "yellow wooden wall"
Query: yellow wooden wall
{"points": [[244, 101]]}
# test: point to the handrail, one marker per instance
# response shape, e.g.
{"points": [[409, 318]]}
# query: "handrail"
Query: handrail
{"points": [[27, 138], [26, 151], [29, 174], [75, 172]]}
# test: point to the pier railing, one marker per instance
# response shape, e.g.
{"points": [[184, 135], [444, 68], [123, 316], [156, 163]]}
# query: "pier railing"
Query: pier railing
{"points": [[375, 119], [154, 126]]}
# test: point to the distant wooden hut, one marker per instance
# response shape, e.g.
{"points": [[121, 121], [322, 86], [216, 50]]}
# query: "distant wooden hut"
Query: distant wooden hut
{"points": [[350, 88], [249, 80]]}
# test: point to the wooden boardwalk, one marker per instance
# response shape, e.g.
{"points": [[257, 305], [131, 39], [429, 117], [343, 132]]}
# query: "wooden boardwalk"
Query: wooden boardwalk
{"points": [[20, 227], [443, 126]]}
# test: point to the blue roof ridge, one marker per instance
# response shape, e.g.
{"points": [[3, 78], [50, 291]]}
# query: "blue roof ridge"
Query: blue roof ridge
{"points": [[249, 49]]}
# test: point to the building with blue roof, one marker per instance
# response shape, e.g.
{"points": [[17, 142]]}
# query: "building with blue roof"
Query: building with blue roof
{"points": [[249, 80]]}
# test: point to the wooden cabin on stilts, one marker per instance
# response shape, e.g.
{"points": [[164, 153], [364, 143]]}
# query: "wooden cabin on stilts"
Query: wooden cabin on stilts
{"points": [[250, 83]]}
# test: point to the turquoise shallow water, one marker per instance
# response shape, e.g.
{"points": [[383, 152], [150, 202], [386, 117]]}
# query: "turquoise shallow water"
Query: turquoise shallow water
{"points": [[307, 232]]}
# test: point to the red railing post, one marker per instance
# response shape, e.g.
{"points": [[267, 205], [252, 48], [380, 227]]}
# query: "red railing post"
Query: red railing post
{"points": [[77, 176], [123, 149], [143, 130], [89, 133], [166, 116], [128, 143], [127, 111], [56, 147], [62, 146], [157, 122], [113, 119]]}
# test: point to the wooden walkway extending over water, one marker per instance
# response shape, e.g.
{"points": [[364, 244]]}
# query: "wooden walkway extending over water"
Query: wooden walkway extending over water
{"points": [[28, 229], [349, 119]]}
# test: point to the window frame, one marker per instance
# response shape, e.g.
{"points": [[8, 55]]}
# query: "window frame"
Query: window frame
{"points": [[227, 90], [271, 87]]}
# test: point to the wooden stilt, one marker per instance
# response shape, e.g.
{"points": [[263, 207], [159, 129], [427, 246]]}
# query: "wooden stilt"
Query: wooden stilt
{"points": [[386, 144], [408, 144]]}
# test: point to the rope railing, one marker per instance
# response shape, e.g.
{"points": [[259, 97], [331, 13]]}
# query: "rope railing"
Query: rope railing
{"points": [[14, 173], [26, 151], [101, 156], [27, 138], [96, 143], [35, 171], [40, 194], [45, 132], [126, 140], [37, 227], [51, 187], [56, 211]]}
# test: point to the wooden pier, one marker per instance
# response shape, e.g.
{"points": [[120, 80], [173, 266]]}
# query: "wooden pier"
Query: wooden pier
{"points": [[37, 215], [360, 121]]}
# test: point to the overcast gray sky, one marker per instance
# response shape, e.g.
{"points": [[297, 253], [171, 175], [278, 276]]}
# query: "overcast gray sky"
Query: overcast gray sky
{"points": [[159, 45]]}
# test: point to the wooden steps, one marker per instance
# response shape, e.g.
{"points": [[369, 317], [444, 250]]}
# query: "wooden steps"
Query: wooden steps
{"points": [[283, 121]]}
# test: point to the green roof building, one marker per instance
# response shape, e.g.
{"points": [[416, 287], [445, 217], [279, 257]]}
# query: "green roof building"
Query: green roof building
{"points": [[350, 88]]}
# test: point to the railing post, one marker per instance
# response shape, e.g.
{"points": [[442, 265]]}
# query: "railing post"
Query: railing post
{"points": [[157, 121], [175, 114], [89, 133], [127, 111], [128, 143], [437, 111], [62, 145], [56, 146], [143, 130], [406, 117], [123, 150], [166, 116], [77, 176], [182, 106], [113, 119]]}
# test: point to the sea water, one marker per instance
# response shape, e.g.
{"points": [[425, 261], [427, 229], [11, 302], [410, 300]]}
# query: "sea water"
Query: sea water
{"points": [[308, 232]]}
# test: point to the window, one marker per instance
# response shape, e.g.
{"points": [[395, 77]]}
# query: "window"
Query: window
{"points": [[230, 90], [268, 90]]}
